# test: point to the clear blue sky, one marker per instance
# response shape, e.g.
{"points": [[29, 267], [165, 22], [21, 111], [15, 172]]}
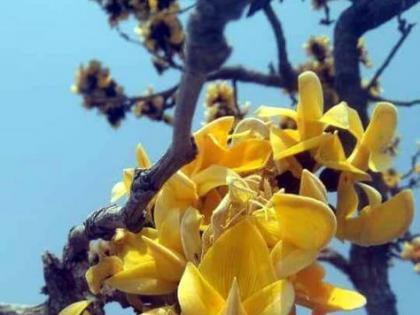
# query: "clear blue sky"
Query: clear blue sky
{"points": [[59, 162]]}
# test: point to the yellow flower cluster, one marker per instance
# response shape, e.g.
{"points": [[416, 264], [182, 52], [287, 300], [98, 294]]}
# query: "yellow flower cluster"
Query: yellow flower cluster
{"points": [[95, 84], [411, 252], [230, 235], [221, 102]]}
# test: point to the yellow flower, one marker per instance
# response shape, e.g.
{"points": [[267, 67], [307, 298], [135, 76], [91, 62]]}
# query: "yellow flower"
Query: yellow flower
{"points": [[78, 308], [372, 150], [378, 222], [325, 148], [235, 277], [411, 250], [314, 293], [123, 188], [297, 227], [141, 264]]}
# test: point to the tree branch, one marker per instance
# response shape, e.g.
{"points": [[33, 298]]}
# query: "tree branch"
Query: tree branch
{"points": [[284, 66], [404, 34], [369, 265], [245, 75], [206, 50], [395, 102], [362, 16]]}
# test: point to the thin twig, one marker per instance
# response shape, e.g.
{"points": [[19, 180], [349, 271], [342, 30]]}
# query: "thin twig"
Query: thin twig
{"points": [[401, 103], [245, 75], [284, 66], [169, 61], [404, 34]]}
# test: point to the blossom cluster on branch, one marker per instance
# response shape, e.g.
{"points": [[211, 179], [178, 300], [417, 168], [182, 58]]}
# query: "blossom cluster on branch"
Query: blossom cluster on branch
{"points": [[238, 230]]}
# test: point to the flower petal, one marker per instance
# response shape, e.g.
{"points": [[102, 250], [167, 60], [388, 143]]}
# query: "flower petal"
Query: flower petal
{"points": [[337, 116], [169, 263], [75, 308], [190, 234], [300, 147], [196, 295], [312, 292], [211, 177], [233, 302], [289, 259], [268, 111], [97, 274], [144, 279], [377, 225], [118, 191], [239, 253], [248, 155], [142, 158], [311, 186], [310, 106], [313, 222], [274, 299]]}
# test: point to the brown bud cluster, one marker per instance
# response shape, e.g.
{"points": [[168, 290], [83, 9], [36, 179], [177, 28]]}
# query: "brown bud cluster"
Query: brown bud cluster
{"points": [[95, 84]]}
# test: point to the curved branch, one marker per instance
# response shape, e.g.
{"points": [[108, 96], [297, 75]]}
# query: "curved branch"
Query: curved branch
{"points": [[245, 75], [362, 16], [395, 102], [404, 34], [285, 68]]}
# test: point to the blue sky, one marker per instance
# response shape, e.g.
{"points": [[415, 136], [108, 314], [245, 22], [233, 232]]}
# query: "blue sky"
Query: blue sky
{"points": [[59, 161]]}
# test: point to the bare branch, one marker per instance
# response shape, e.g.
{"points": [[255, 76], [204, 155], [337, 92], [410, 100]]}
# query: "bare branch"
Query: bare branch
{"points": [[362, 16], [404, 34], [284, 66], [401, 103], [336, 259], [245, 75]]}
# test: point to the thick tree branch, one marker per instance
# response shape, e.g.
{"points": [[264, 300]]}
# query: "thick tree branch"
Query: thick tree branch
{"points": [[362, 16], [369, 265]]}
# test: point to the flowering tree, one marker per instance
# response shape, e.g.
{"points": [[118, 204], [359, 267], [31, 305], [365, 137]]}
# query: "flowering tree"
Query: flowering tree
{"points": [[235, 218]]}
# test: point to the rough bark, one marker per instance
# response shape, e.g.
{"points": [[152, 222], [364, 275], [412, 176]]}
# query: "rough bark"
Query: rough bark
{"points": [[369, 266]]}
